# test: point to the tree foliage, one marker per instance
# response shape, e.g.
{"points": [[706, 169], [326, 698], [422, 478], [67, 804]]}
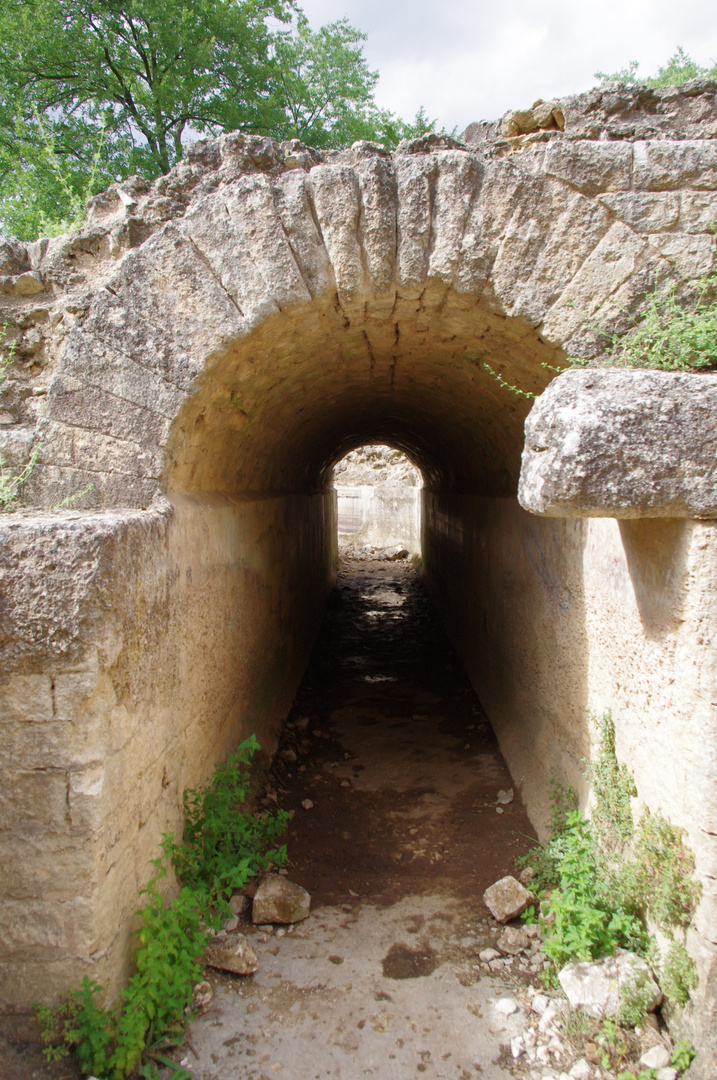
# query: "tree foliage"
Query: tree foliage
{"points": [[93, 90], [679, 69]]}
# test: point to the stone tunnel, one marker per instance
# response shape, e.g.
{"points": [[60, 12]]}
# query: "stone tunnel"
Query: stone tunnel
{"points": [[191, 363]]}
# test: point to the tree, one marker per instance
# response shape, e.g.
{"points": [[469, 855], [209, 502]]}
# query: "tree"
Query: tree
{"points": [[678, 70], [93, 90], [326, 89], [146, 69]]}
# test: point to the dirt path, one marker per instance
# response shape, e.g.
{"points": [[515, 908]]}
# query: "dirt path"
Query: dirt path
{"points": [[389, 743]]}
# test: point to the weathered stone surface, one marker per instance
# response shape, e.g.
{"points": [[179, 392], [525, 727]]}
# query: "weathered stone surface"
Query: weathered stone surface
{"points": [[513, 941], [231, 952], [278, 900], [622, 444], [222, 335], [506, 899], [657, 1057], [597, 986]]}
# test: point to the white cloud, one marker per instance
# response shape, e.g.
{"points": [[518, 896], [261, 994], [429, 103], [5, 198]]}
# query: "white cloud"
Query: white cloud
{"points": [[466, 60]]}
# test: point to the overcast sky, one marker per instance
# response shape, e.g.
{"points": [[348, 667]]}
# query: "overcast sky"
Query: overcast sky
{"points": [[470, 60]]}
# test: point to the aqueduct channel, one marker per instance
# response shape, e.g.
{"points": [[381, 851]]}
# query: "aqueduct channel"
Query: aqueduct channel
{"points": [[196, 359]]}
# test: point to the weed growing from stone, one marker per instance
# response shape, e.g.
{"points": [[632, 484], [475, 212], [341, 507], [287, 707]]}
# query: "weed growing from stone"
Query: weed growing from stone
{"points": [[602, 880], [222, 848], [673, 337]]}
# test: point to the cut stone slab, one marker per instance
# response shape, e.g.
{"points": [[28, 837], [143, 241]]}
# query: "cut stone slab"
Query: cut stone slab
{"points": [[231, 952], [278, 900], [597, 986], [622, 443], [507, 899]]}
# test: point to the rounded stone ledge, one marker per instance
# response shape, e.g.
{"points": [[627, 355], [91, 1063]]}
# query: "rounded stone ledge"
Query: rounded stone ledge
{"points": [[622, 443]]}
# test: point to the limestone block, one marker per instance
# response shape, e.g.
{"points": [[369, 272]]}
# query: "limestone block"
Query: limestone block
{"points": [[622, 443], [377, 224], [548, 261], [89, 407], [692, 256], [415, 176], [106, 367], [506, 899], [16, 444], [337, 199], [278, 900], [36, 796], [644, 211], [597, 986], [458, 182], [698, 211], [26, 698], [666, 164], [293, 203], [591, 167]]}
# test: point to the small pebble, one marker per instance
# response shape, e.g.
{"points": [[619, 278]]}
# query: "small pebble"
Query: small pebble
{"points": [[506, 1006], [499, 809], [307, 804]]}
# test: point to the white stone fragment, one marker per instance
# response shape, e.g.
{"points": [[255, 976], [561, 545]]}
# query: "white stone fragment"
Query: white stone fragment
{"points": [[506, 1006], [597, 986], [657, 1057]]}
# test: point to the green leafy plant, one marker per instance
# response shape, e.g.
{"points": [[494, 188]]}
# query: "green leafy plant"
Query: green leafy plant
{"points": [[635, 999], [683, 1055], [509, 386], [673, 335], [665, 871], [678, 70], [600, 881], [579, 918], [222, 848], [679, 976], [613, 787]]}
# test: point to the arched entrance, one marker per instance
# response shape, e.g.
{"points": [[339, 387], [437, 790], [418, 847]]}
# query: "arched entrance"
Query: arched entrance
{"points": [[284, 316]]}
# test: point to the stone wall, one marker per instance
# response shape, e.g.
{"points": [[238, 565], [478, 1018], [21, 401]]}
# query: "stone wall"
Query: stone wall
{"points": [[554, 617], [138, 649], [378, 499]]}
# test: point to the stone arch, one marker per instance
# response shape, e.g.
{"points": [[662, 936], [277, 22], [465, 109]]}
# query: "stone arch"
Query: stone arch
{"points": [[271, 308], [386, 285]]}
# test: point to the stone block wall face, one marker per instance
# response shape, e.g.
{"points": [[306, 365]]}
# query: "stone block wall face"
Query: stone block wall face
{"points": [[172, 635], [554, 617], [382, 516]]}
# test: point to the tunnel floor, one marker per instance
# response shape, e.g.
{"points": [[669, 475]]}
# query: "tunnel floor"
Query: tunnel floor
{"points": [[393, 774]]}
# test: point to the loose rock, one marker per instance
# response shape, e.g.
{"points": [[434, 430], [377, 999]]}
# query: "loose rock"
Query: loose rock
{"points": [[202, 997], [513, 940], [278, 900], [506, 1006], [231, 952], [656, 1058], [507, 899], [597, 986]]}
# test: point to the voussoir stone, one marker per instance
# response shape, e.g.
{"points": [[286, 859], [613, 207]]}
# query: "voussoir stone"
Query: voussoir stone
{"points": [[278, 900], [622, 443], [507, 899]]}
